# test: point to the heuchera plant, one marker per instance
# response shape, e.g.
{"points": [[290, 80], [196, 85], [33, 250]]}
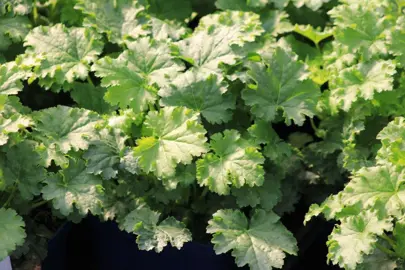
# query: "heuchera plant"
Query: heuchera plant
{"points": [[206, 120]]}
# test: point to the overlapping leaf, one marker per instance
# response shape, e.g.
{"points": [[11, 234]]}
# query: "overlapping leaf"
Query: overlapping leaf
{"points": [[74, 187], [172, 136], [281, 86], [233, 161], [205, 95], [153, 234], [12, 232], [131, 77], [61, 129], [65, 53], [259, 242]]}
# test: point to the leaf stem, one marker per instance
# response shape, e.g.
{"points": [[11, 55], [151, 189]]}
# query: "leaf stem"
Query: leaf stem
{"points": [[38, 204], [386, 250], [10, 197], [35, 12], [205, 191], [388, 239], [89, 80], [313, 125]]}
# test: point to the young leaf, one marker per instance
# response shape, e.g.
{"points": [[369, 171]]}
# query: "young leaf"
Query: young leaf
{"points": [[384, 184], [12, 29], [105, 153], [204, 95], [233, 162], [119, 19], [153, 234], [362, 80], [74, 187], [10, 79], [282, 86], [61, 129], [356, 237], [20, 167], [260, 242], [131, 76], [172, 136], [12, 233]]}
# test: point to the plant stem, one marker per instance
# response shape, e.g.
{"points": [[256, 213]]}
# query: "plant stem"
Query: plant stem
{"points": [[386, 250], [311, 120], [38, 204], [205, 191], [35, 12], [10, 197], [89, 80], [388, 239]]}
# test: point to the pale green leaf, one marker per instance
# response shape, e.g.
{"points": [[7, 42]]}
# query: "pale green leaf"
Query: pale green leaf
{"points": [[131, 77], [61, 129], [12, 233], [260, 242], [104, 154], [74, 187], [172, 136], [233, 161], [283, 86], [120, 20], [67, 59], [204, 95], [356, 237]]}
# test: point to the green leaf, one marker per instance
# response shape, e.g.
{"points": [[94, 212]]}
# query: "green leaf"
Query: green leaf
{"points": [[90, 97], [12, 233], [172, 136], [265, 196], [131, 77], [210, 44], [360, 29], [167, 30], [153, 234], [10, 79], [185, 176], [275, 22], [233, 161], [260, 242], [12, 125], [362, 80], [392, 139], [275, 149], [65, 60], [20, 166], [74, 187], [373, 184], [12, 30], [104, 154], [170, 9], [204, 95], [242, 27], [315, 35], [61, 129], [378, 260], [282, 86], [356, 237], [120, 20]]}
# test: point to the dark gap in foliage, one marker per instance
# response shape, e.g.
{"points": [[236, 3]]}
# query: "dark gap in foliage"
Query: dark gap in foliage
{"points": [[284, 130], [192, 24], [311, 240], [37, 98], [111, 49], [203, 7]]}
